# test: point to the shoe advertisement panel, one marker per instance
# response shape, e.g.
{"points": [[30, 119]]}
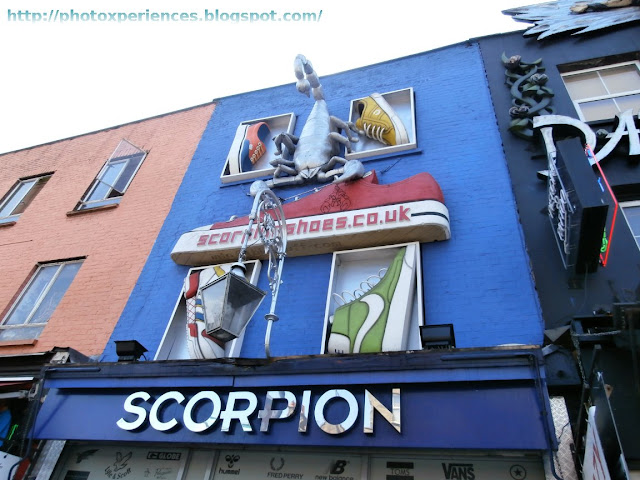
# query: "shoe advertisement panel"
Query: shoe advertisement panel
{"points": [[90, 462], [243, 465], [456, 468]]}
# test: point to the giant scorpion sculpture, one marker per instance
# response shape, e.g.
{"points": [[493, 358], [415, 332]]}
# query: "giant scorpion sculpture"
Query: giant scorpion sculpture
{"points": [[316, 152]]}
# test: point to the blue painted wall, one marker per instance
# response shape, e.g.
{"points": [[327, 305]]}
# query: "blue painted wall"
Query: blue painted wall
{"points": [[479, 280]]}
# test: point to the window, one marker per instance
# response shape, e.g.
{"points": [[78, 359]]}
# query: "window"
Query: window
{"points": [[185, 337], [253, 147], [20, 196], [37, 302], [114, 178], [375, 301], [375, 114], [601, 93], [632, 214]]}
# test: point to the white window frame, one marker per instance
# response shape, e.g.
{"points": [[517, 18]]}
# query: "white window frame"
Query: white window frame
{"points": [[612, 96], [368, 261], [402, 101], [631, 204], [16, 196], [174, 338], [284, 123], [38, 301], [112, 196]]}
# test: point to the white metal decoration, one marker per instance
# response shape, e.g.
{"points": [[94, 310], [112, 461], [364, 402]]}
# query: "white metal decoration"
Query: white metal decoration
{"points": [[315, 153], [272, 229]]}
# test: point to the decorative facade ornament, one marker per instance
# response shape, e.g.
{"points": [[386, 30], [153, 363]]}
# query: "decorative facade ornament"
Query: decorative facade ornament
{"points": [[562, 16], [530, 95], [315, 153]]}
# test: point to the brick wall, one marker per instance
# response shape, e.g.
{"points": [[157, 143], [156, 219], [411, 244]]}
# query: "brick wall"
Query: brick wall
{"points": [[479, 280], [115, 242]]}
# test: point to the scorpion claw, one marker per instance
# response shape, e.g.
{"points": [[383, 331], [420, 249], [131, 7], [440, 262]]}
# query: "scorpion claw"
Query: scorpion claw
{"points": [[352, 169]]}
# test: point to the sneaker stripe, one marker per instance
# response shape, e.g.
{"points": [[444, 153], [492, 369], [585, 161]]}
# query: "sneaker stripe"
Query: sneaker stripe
{"points": [[376, 307]]}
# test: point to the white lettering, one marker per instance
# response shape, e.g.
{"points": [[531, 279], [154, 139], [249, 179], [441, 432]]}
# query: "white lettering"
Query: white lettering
{"points": [[154, 420], [625, 126], [243, 415], [208, 423], [267, 413], [135, 409], [242, 405], [336, 428]]}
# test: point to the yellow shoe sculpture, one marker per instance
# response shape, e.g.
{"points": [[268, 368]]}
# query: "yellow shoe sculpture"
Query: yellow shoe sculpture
{"points": [[379, 121]]}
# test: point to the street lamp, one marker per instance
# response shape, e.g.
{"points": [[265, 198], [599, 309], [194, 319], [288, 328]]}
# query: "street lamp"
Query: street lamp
{"points": [[230, 301]]}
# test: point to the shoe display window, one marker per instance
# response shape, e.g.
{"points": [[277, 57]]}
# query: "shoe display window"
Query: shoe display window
{"points": [[374, 302], [385, 122], [185, 336], [253, 148]]}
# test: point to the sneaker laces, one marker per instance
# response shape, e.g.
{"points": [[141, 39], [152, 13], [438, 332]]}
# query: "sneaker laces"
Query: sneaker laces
{"points": [[365, 286], [257, 153], [374, 131]]}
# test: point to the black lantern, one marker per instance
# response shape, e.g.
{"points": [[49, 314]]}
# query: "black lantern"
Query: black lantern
{"points": [[229, 302]]}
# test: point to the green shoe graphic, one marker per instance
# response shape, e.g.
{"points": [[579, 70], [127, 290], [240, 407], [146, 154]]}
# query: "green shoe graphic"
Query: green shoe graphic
{"points": [[378, 320]]}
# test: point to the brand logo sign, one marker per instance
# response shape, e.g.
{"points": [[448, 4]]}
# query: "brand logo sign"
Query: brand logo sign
{"points": [[458, 471], [173, 409], [423, 221]]}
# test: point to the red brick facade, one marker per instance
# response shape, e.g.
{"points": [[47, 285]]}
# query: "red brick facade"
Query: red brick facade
{"points": [[115, 241]]}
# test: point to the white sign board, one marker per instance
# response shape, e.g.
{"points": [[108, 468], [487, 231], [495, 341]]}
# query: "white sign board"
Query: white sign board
{"points": [[7, 461], [89, 462], [456, 468], [595, 465], [243, 465]]}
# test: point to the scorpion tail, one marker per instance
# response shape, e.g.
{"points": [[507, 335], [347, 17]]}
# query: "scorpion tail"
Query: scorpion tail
{"points": [[307, 78]]}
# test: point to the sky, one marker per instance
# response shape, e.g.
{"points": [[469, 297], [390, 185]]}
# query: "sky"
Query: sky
{"points": [[65, 78]]}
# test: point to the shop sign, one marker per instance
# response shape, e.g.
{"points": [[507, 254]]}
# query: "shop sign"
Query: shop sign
{"points": [[240, 465], [423, 221], [576, 206], [241, 405], [457, 468], [595, 465], [7, 461], [206, 410], [122, 463], [625, 128], [356, 214]]}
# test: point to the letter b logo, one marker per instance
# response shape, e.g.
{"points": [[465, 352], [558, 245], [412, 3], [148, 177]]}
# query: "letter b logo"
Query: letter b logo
{"points": [[338, 467]]}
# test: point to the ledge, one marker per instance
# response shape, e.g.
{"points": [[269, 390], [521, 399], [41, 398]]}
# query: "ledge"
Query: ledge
{"points": [[89, 210], [12, 343]]}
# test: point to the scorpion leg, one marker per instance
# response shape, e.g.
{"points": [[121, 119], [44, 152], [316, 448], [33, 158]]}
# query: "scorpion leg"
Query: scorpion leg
{"points": [[347, 127], [341, 139], [284, 168], [288, 141], [284, 181]]}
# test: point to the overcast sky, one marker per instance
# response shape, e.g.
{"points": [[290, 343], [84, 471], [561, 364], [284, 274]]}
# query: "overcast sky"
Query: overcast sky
{"points": [[67, 78]]}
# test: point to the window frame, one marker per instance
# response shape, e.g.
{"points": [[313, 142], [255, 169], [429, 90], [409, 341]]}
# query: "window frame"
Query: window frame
{"points": [[109, 198], [11, 195], [360, 257], [623, 206], [39, 300], [403, 101], [178, 319], [609, 96], [283, 123]]}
